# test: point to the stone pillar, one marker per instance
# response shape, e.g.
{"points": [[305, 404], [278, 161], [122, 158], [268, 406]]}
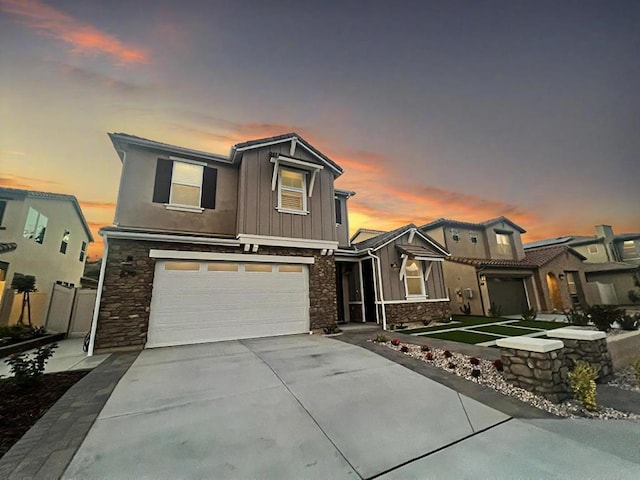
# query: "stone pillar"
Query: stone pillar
{"points": [[586, 345], [536, 365]]}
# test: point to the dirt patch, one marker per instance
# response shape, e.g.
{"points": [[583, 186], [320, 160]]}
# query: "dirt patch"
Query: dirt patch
{"points": [[21, 408]]}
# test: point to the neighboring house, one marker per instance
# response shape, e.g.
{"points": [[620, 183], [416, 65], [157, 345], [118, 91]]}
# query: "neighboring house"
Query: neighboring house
{"points": [[391, 278], [211, 247], [611, 261], [48, 238], [488, 265]]}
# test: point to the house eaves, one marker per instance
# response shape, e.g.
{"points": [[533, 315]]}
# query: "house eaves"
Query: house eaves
{"points": [[344, 193], [376, 243], [120, 140], [296, 140], [446, 222]]}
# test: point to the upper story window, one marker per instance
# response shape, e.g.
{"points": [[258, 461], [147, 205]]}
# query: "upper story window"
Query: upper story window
{"points": [[35, 226], [65, 241], [473, 236], [338, 206], [504, 242], [593, 248], [184, 185], [413, 279], [455, 235], [3, 207], [629, 248], [292, 191], [83, 251]]}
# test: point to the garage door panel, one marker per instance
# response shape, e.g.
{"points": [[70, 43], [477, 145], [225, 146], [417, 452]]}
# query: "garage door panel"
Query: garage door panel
{"points": [[190, 306]]}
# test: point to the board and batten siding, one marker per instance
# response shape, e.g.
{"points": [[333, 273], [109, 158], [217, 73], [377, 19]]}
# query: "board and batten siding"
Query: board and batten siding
{"points": [[393, 286], [257, 203], [343, 228]]}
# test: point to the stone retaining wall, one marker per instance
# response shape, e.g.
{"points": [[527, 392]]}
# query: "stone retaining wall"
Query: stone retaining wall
{"points": [[594, 352], [417, 312], [541, 373]]}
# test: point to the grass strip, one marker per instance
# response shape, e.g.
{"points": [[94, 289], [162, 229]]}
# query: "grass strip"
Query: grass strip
{"points": [[505, 330], [540, 324], [463, 337]]}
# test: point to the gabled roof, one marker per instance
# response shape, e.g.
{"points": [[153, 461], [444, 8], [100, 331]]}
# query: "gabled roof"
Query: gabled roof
{"points": [[444, 222], [547, 242], [21, 194], [120, 139], [532, 259], [287, 137], [365, 230], [381, 240]]}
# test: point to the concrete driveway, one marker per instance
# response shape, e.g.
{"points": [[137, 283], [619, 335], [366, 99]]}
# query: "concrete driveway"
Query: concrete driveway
{"points": [[308, 407]]}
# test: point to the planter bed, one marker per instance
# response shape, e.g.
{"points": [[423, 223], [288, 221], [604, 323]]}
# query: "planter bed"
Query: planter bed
{"points": [[30, 344]]}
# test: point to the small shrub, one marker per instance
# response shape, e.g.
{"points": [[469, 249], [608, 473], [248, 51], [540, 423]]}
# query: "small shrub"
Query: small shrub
{"points": [[424, 348], [332, 329], [380, 338], [400, 326], [529, 314], [495, 310], [28, 369], [475, 373], [636, 369], [395, 342], [603, 316], [583, 385], [630, 322], [634, 296], [404, 349], [447, 354], [466, 308], [429, 356], [451, 365], [474, 361], [576, 317], [498, 365]]}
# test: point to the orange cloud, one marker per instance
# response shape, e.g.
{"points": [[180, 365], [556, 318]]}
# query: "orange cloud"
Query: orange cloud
{"points": [[84, 38], [24, 183], [108, 206]]}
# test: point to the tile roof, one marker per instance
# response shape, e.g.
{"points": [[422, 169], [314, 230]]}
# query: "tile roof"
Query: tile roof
{"points": [[446, 221], [16, 192], [7, 247], [532, 259]]}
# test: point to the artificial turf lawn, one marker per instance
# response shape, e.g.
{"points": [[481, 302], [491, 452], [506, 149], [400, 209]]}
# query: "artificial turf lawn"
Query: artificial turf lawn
{"points": [[504, 330], [540, 324], [463, 337], [458, 322]]}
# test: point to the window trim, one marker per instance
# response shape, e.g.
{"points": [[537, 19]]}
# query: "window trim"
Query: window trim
{"points": [[302, 190], [34, 235], [455, 235], [83, 252], [594, 246], [179, 206], [66, 233], [504, 248], [473, 237], [420, 275]]}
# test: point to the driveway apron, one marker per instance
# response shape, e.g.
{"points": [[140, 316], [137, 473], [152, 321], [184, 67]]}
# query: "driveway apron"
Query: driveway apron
{"points": [[281, 407]]}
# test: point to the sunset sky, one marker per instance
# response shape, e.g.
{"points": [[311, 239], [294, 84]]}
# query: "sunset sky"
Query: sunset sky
{"points": [[458, 109]]}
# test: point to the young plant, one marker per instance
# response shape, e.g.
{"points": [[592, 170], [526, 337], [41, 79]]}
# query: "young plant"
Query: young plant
{"points": [[380, 338], [447, 354], [529, 313], [495, 310], [451, 365], [498, 365], [475, 373], [636, 369], [474, 361], [404, 349], [395, 342], [429, 356], [466, 308], [28, 369], [424, 348], [332, 329], [576, 317], [603, 316], [630, 322], [582, 380]]}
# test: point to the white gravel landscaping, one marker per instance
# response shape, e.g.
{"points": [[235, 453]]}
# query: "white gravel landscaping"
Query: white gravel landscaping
{"points": [[625, 379], [489, 376]]}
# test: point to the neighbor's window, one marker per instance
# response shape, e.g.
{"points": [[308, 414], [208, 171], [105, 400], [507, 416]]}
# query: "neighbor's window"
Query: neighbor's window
{"points": [[455, 235], [186, 184], [504, 243], [629, 248], [292, 191], [593, 248], [258, 267], [35, 226], [413, 279], [83, 251], [65, 241], [473, 236], [290, 268]]}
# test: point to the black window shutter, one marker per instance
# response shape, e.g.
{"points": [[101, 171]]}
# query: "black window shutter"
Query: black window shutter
{"points": [[209, 188], [338, 212], [3, 206], [162, 187]]}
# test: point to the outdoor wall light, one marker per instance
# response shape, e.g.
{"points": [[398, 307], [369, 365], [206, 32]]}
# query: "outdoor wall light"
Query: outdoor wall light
{"points": [[561, 276]]}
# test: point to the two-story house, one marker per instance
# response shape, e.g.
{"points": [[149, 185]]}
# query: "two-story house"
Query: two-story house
{"points": [[489, 267], [48, 238], [612, 261], [211, 247]]}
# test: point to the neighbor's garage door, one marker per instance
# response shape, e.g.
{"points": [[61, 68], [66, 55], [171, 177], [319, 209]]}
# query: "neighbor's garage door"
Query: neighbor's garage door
{"points": [[197, 302], [509, 294]]}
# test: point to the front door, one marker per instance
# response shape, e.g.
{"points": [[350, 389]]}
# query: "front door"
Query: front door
{"points": [[369, 295]]}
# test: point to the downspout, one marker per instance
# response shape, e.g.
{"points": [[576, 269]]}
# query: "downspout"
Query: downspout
{"points": [[384, 309], [96, 308], [478, 272]]}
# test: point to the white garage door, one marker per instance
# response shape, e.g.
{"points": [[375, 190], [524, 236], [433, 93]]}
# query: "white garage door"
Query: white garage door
{"points": [[197, 302]]}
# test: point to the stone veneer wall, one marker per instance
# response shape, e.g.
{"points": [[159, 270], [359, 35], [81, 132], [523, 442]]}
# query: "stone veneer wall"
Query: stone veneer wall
{"points": [[593, 351], [417, 312], [541, 373], [123, 320]]}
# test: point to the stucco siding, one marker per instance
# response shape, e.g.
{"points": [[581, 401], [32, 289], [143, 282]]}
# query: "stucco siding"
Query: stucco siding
{"points": [[598, 257], [136, 209], [464, 247], [259, 214], [516, 251], [622, 282], [458, 278], [342, 230]]}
